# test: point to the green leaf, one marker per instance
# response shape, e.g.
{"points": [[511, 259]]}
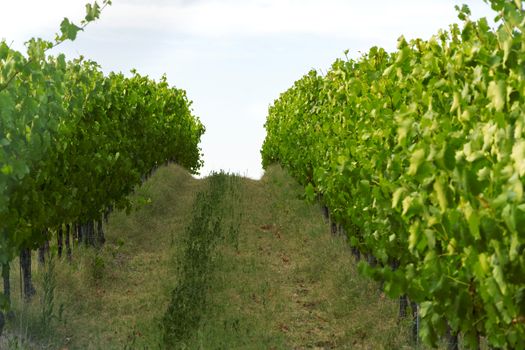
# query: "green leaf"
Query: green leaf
{"points": [[396, 196], [414, 236], [496, 93], [92, 12], [508, 215], [497, 272], [518, 156], [431, 238], [7, 106], [440, 194], [4, 50], [69, 30], [310, 192], [418, 156], [456, 103], [6, 169], [463, 12], [482, 267], [472, 219]]}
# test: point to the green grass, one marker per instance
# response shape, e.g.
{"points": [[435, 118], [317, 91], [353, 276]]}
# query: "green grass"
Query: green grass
{"points": [[279, 279]]}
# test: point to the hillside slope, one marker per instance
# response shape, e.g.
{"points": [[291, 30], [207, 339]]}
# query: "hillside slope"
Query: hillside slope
{"points": [[279, 280]]}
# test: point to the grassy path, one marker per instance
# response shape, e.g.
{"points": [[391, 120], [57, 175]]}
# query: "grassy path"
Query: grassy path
{"points": [[280, 282], [295, 285]]}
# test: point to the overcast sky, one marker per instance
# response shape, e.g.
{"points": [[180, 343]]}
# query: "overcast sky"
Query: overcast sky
{"points": [[233, 57]]}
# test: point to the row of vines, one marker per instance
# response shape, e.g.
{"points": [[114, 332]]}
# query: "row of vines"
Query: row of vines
{"points": [[419, 155], [74, 143]]}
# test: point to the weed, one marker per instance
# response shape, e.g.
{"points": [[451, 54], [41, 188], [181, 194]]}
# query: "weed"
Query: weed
{"points": [[47, 299], [97, 266], [189, 298]]}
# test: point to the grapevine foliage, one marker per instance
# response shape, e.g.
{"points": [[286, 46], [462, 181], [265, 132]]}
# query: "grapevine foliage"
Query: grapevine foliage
{"points": [[74, 142], [420, 154]]}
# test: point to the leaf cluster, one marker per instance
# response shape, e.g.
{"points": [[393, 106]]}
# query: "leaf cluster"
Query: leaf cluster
{"points": [[75, 142], [420, 155]]}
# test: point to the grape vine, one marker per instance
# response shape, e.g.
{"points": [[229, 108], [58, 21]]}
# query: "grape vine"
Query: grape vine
{"points": [[420, 156], [74, 143]]}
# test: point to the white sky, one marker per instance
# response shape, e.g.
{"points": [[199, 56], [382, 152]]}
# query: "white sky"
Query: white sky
{"points": [[233, 57]]}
